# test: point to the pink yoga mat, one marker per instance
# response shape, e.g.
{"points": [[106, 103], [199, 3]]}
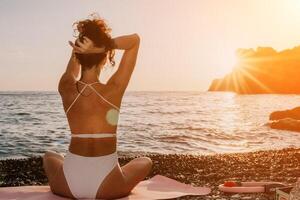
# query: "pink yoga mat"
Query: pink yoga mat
{"points": [[158, 187]]}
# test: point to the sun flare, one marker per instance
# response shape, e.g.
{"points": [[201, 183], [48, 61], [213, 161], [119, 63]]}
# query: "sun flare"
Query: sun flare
{"points": [[227, 61]]}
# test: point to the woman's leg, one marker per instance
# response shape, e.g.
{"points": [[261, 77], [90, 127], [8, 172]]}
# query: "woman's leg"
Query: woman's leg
{"points": [[53, 153], [136, 170], [52, 164], [121, 180]]}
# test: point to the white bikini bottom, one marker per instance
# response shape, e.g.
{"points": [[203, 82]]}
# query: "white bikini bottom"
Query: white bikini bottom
{"points": [[84, 175]]}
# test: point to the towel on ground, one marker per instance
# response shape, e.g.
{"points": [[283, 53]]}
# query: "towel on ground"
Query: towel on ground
{"points": [[157, 187]]}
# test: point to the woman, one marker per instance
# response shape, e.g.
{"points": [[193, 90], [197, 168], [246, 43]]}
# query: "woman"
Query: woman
{"points": [[90, 168]]}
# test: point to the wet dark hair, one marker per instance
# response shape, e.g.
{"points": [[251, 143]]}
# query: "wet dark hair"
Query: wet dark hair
{"points": [[96, 30]]}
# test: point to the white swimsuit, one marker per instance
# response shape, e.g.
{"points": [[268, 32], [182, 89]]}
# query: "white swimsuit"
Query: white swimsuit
{"points": [[83, 174]]}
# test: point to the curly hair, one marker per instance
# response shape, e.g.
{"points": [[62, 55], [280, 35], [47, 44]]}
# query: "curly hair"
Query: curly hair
{"points": [[96, 30]]}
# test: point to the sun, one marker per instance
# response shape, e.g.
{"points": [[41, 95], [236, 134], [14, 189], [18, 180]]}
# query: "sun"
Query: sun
{"points": [[227, 60]]}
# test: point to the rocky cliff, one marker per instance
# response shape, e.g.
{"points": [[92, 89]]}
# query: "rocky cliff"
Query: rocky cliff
{"points": [[261, 71]]}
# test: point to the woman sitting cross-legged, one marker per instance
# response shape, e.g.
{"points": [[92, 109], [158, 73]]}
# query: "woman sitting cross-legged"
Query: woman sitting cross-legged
{"points": [[90, 168]]}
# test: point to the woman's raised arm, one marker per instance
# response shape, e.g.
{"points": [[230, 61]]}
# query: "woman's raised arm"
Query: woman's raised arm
{"points": [[71, 73], [73, 67], [129, 43]]}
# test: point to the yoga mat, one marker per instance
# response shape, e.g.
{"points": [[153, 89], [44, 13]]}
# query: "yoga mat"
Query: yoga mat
{"points": [[158, 187]]}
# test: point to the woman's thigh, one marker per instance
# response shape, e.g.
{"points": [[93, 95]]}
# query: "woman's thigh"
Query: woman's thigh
{"points": [[53, 166], [136, 170], [50, 153], [121, 180], [113, 185]]}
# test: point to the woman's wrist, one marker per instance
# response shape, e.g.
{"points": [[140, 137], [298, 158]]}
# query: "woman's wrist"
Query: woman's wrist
{"points": [[73, 56], [112, 45], [97, 50]]}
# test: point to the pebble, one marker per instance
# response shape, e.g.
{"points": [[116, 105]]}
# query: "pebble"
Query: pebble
{"points": [[236, 196], [246, 198]]}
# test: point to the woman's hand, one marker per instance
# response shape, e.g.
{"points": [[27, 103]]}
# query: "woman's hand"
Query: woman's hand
{"points": [[86, 47]]}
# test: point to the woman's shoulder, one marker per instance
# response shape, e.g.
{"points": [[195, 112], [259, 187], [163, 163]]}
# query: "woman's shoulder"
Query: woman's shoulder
{"points": [[109, 92], [66, 83]]}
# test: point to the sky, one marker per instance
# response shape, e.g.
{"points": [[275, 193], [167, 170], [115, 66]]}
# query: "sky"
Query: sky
{"points": [[185, 44]]}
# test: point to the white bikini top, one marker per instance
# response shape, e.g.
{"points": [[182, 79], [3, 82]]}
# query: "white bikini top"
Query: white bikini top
{"points": [[90, 85], [94, 135]]}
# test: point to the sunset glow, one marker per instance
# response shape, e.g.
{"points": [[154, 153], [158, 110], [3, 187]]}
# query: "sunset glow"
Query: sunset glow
{"points": [[185, 44]]}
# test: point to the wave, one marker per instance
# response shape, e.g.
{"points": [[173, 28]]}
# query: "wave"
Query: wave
{"points": [[175, 137], [166, 112], [189, 128], [150, 121], [23, 114]]}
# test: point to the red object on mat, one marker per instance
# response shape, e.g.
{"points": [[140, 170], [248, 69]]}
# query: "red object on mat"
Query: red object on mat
{"points": [[230, 184]]}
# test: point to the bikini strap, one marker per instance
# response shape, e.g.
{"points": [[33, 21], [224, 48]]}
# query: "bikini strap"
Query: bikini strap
{"points": [[94, 135], [90, 85], [104, 99], [84, 83], [75, 99]]}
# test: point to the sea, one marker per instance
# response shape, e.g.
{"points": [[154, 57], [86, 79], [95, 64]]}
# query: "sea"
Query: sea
{"points": [[157, 122]]}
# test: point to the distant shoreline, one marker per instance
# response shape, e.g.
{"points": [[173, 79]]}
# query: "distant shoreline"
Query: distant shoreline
{"points": [[54, 91], [124, 154], [210, 170], [8, 92]]}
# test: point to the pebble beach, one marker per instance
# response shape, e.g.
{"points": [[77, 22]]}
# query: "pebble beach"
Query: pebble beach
{"points": [[197, 170]]}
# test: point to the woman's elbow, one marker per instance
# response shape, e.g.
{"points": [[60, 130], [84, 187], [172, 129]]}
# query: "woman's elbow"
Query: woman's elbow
{"points": [[137, 38]]}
